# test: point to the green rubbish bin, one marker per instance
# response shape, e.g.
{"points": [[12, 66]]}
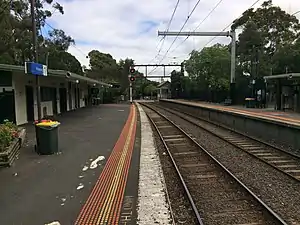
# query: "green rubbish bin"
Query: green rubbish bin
{"points": [[47, 137], [250, 102]]}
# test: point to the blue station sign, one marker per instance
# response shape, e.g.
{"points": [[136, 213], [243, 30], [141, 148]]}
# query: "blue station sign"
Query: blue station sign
{"points": [[36, 69]]}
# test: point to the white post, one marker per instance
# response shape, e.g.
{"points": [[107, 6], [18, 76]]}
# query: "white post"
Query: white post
{"points": [[233, 56], [130, 92]]}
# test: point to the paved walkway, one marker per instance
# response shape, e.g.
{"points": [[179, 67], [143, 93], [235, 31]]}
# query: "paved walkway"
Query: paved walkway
{"points": [[41, 189]]}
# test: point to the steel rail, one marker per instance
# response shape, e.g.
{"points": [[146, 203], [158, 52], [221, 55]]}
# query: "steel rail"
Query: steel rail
{"points": [[265, 206], [238, 132], [196, 212], [236, 145]]}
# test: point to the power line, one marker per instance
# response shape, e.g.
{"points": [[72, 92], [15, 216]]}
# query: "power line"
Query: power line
{"points": [[185, 22], [228, 26], [211, 11], [167, 29], [72, 45]]}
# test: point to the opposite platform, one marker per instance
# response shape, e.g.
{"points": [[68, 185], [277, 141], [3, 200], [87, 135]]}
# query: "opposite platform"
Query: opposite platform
{"points": [[270, 126], [285, 118]]}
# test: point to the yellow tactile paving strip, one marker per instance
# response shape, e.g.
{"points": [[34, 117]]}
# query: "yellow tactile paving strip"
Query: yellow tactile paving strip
{"points": [[105, 201]]}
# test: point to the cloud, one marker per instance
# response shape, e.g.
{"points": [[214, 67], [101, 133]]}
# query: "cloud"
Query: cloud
{"points": [[129, 28]]}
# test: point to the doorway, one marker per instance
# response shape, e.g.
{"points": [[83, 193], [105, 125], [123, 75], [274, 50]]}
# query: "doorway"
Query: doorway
{"points": [[29, 103], [70, 96], [63, 100], [54, 101], [7, 106]]}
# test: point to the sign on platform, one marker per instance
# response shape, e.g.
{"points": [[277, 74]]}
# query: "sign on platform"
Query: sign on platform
{"points": [[36, 69]]}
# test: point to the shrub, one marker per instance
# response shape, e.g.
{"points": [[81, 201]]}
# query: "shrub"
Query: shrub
{"points": [[8, 132]]}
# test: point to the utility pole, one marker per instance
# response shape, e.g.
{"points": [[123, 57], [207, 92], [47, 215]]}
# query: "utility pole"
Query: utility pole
{"points": [[35, 58], [231, 34]]}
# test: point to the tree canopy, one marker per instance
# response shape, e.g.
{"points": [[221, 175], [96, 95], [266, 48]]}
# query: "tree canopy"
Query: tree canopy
{"points": [[269, 42], [266, 31], [16, 45]]}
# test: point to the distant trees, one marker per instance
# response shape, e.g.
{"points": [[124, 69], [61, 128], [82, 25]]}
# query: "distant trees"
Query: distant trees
{"points": [[269, 42], [16, 46]]}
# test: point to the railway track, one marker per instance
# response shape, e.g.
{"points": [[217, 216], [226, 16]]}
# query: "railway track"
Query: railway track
{"points": [[279, 159], [215, 194]]}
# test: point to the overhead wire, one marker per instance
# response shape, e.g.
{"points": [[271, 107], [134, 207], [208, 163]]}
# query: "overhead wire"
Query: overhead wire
{"points": [[253, 4], [207, 16], [72, 45], [162, 40], [185, 22]]}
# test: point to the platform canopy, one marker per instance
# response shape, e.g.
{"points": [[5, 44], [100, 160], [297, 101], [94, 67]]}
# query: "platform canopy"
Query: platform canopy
{"points": [[280, 76], [55, 73]]}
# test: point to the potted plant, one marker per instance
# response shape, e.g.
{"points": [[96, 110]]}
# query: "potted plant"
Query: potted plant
{"points": [[11, 139]]}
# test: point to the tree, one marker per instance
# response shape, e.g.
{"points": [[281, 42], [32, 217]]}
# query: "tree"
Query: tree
{"points": [[103, 66], [16, 32], [287, 59], [59, 40], [144, 87], [150, 90], [265, 31], [210, 67], [124, 66], [54, 52], [62, 60], [176, 84]]}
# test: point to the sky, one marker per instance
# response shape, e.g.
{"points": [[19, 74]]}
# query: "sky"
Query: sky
{"points": [[129, 28]]}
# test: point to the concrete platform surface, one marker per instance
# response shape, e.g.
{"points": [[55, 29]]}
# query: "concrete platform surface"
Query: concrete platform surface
{"points": [[152, 198], [288, 118], [38, 190]]}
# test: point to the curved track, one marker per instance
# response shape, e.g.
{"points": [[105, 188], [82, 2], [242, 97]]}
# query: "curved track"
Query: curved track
{"points": [[215, 194], [279, 159]]}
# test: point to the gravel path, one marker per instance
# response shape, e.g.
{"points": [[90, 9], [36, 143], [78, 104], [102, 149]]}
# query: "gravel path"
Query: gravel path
{"points": [[279, 191]]}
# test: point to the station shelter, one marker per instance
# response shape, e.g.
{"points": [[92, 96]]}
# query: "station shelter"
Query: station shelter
{"points": [[61, 91], [164, 90], [283, 91]]}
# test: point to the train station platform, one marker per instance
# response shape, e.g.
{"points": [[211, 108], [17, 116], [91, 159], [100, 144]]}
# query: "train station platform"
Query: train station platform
{"points": [[107, 172], [286, 118], [88, 175]]}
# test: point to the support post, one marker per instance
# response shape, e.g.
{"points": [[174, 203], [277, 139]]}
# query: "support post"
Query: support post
{"points": [[233, 66], [35, 58], [130, 92]]}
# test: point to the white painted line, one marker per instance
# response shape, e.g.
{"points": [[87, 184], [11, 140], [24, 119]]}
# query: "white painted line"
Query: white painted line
{"points": [[152, 201]]}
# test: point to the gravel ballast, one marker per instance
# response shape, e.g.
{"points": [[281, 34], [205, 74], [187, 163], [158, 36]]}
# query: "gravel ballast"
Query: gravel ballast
{"points": [[276, 189]]}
